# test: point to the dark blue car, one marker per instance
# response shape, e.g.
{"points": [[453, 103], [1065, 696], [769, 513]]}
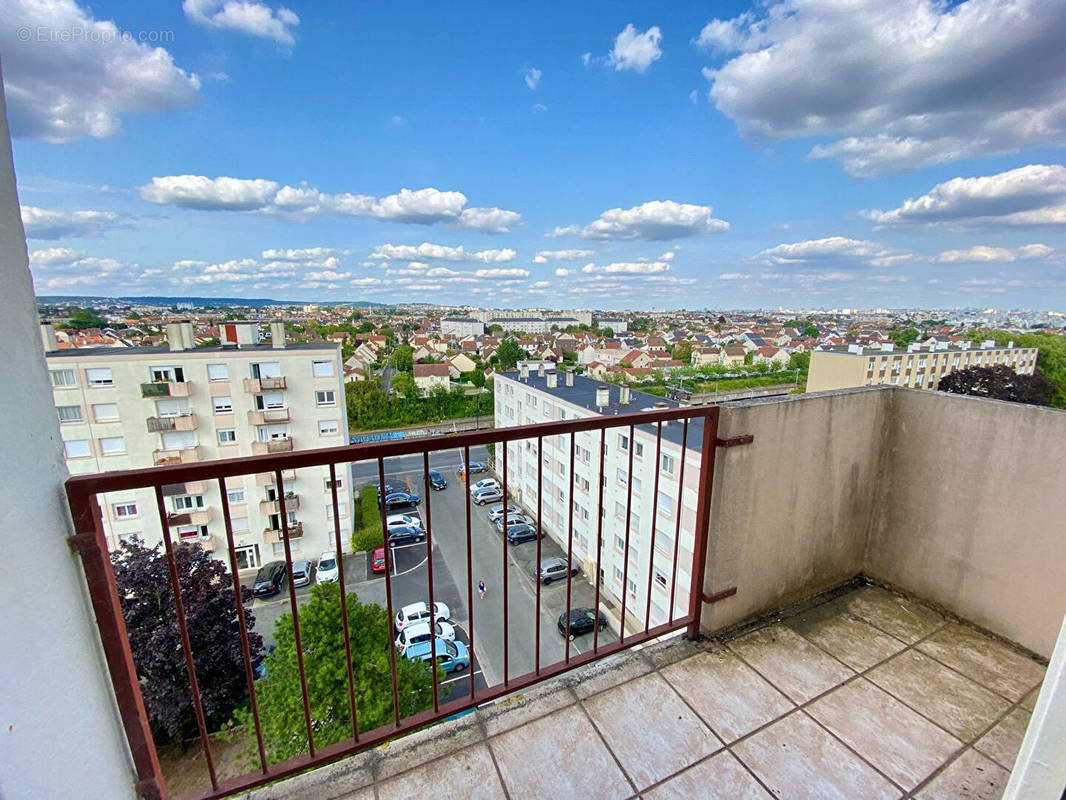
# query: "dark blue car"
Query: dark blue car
{"points": [[436, 481]]}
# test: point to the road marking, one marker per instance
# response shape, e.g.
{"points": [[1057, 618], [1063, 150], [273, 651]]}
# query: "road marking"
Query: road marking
{"points": [[464, 676]]}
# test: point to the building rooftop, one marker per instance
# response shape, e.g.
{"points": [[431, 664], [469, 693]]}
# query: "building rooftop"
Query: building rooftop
{"points": [[121, 352], [953, 347]]}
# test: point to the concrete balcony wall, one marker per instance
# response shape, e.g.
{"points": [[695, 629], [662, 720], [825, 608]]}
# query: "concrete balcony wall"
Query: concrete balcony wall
{"points": [[269, 416], [273, 446], [186, 422]]}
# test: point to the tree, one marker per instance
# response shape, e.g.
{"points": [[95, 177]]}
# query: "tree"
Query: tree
{"points": [[800, 361], [404, 385], [365, 327], [322, 637], [403, 358], [495, 328], [508, 354], [1050, 362], [640, 324], [902, 337], [999, 382], [82, 318], [144, 589], [477, 378], [683, 352]]}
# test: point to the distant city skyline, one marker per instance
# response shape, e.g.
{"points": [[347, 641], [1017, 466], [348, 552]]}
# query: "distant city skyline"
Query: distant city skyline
{"points": [[832, 155]]}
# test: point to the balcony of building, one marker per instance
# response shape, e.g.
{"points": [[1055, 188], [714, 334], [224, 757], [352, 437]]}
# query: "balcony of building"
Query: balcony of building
{"points": [[187, 455], [283, 445], [201, 540], [256, 385], [292, 503], [196, 516], [192, 487], [269, 478], [182, 422], [156, 389], [274, 535], [269, 416]]}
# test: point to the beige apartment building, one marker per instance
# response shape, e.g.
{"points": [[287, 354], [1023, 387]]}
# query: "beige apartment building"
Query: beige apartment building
{"points": [[920, 366], [140, 407]]}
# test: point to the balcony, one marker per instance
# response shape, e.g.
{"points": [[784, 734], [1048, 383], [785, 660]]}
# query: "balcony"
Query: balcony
{"points": [[273, 535], [292, 503], [185, 422], [824, 589], [199, 516], [256, 385], [205, 542], [268, 416], [166, 389], [271, 447], [188, 455], [267, 478], [194, 487]]}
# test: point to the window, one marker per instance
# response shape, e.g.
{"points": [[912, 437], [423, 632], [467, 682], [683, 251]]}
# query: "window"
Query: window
{"points": [[663, 541], [617, 575], [124, 510], [666, 504], [328, 427], [227, 436], [638, 449], [660, 578], [222, 405], [619, 542], [63, 378], [239, 524], [77, 448], [623, 478], [326, 398], [340, 507], [266, 369], [322, 369], [279, 548], [632, 587], [636, 482], [247, 557], [328, 484], [105, 412], [668, 464], [193, 531], [178, 440], [269, 401], [235, 495], [623, 442], [620, 510], [187, 502], [112, 445], [218, 372], [172, 407], [174, 374], [131, 538], [70, 414], [99, 377]]}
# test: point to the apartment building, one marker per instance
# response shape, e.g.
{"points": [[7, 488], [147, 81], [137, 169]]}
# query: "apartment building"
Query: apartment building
{"points": [[537, 395], [462, 327], [920, 366], [149, 406]]}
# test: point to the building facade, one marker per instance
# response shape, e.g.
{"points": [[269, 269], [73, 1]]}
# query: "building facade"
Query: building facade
{"points": [[141, 407], [461, 327], [538, 398], [920, 366]]}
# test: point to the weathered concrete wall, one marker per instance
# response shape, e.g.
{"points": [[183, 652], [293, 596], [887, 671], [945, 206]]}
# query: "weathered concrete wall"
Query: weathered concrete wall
{"points": [[790, 512], [974, 514]]}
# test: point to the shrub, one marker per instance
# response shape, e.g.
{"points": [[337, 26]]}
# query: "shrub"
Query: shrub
{"points": [[367, 532]]}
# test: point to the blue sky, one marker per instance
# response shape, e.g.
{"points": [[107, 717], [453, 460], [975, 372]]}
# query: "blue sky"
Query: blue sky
{"points": [[795, 153]]}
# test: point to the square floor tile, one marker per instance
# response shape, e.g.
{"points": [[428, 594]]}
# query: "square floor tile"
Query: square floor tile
{"points": [[651, 731], [790, 662], [560, 755], [1029, 703], [798, 759], [970, 776], [855, 642], [899, 742], [611, 671], [1003, 742], [731, 697], [720, 777], [947, 698], [518, 709], [990, 663], [905, 619], [468, 773]]}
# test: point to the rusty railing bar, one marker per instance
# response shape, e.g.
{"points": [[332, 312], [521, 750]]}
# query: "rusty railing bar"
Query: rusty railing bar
{"points": [[469, 565], [654, 522], [677, 512], [429, 560], [503, 547], [703, 517], [344, 600], [570, 549], [599, 541], [625, 549], [536, 564], [388, 589]]}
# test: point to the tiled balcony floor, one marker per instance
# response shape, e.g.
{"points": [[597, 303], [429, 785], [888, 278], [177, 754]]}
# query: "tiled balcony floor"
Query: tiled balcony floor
{"points": [[868, 695]]}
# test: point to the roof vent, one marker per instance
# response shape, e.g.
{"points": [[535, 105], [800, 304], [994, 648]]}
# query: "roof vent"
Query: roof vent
{"points": [[523, 370], [552, 378], [603, 397], [623, 395], [569, 377]]}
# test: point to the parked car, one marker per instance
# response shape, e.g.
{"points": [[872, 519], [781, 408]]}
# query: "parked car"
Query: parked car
{"points": [[487, 495], [389, 489], [405, 534], [473, 468], [301, 573], [419, 632], [401, 500], [436, 481], [485, 483], [516, 534], [402, 520], [419, 612], [327, 570], [451, 656], [497, 511], [269, 579], [377, 565], [513, 519], [582, 620], [552, 569]]}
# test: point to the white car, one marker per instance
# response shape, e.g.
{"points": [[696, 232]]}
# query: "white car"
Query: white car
{"points": [[403, 520], [419, 632], [419, 612], [326, 571], [484, 483]]}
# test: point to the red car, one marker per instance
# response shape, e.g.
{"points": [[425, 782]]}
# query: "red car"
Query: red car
{"points": [[378, 564]]}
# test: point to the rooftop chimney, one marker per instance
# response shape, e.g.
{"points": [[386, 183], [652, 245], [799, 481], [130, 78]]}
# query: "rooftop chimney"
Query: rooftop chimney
{"points": [[887, 347], [569, 377], [623, 395], [603, 396], [523, 370], [1010, 343], [540, 369], [188, 336], [175, 337], [48, 337], [553, 379], [855, 348], [277, 334]]}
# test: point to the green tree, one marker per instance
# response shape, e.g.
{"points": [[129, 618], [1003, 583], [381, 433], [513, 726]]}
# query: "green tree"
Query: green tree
{"points": [[496, 328], [326, 667], [403, 358], [683, 352], [404, 385], [570, 356], [82, 318], [1051, 359], [508, 354], [477, 377], [640, 324], [902, 337], [366, 326], [800, 361]]}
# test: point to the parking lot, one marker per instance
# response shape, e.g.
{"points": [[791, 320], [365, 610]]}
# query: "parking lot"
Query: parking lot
{"points": [[453, 583]]}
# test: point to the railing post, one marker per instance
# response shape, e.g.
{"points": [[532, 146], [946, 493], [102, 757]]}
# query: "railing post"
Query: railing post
{"points": [[90, 542], [703, 519]]}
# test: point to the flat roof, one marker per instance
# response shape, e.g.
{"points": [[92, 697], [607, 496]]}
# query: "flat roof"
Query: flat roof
{"points": [[119, 352], [842, 350]]}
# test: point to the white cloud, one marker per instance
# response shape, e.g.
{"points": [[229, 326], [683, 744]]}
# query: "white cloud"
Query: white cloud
{"points": [[532, 77], [545, 256], [501, 273], [327, 275], [365, 282], [634, 50], [243, 16], [833, 248], [43, 223], [657, 220], [421, 207], [539, 108], [628, 268], [540, 285], [562, 272], [586, 59], [439, 252], [300, 254], [54, 255], [904, 84], [985, 253], [1030, 195], [64, 90]]}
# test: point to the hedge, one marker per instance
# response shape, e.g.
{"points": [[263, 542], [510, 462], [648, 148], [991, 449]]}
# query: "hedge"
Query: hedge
{"points": [[367, 528]]}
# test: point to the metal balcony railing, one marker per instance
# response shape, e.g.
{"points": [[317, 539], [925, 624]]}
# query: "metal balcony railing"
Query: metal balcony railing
{"points": [[272, 446], [269, 416], [695, 428], [166, 389], [184, 422], [294, 530], [188, 455], [256, 385], [292, 503]]}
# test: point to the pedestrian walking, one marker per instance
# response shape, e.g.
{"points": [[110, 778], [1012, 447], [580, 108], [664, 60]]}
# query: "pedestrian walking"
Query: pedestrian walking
{"points": [[481, 589]]}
